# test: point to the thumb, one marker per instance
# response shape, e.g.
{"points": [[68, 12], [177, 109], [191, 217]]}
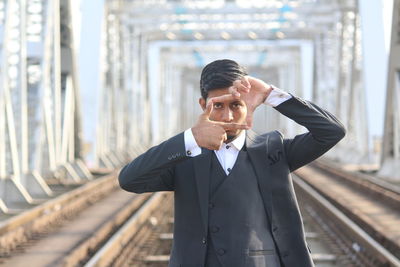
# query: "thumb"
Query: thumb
{"points": [[208, 109], [249, 119]]}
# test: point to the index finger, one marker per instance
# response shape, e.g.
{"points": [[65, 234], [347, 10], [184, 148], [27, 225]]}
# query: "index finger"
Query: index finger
{"points": [[232, 126]]}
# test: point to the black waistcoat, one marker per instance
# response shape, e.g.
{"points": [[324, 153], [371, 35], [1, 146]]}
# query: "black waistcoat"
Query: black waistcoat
{"points": [[238, 229]]}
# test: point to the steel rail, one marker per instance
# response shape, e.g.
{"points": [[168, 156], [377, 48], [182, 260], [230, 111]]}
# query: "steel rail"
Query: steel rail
{"points": [[363, 241], [120, 239], [369, 205], [356, 176], [387, 192], [20, 228]]}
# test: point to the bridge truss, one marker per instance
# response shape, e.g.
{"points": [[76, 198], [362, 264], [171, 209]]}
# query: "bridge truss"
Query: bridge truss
{"points": [[151, 55], [277, 37]]}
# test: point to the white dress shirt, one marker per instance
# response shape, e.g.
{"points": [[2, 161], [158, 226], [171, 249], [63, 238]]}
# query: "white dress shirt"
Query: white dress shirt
{"points": [[229, 152]]}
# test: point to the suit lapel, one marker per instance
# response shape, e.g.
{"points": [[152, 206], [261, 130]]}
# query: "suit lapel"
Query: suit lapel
{"points": [[202, 165], [257, 150]]}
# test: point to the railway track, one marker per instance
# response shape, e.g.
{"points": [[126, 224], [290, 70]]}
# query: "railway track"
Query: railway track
{"points": [[353, 245], [117, 228], [371, 203], [65, 230], [334, 237], [150, 244], [70, 239]]}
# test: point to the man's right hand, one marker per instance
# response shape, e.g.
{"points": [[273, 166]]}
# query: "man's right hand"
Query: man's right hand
{"points": [[212, 134]]}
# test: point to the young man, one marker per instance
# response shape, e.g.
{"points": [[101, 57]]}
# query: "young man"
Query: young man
{"points": [[234, 200]]}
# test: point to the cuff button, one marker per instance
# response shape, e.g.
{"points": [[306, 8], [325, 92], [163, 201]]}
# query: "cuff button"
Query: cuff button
{"points": [[189, 152]]}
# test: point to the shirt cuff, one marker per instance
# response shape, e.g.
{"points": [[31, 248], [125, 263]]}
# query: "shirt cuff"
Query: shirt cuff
{"points": [[191, 146], [277, 97]]}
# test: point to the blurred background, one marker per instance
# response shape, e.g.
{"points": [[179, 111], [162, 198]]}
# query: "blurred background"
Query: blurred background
{"points": [[86, 85]]}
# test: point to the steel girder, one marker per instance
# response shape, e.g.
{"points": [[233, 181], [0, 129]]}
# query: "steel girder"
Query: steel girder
{"points": [[39, 107], [390, 160], [185, 21], [124, 125], [338, 83], [333, 26]]}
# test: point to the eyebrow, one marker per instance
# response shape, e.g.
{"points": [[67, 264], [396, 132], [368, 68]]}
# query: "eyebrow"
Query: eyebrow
{"points": [[232, 101], [235, 101]]}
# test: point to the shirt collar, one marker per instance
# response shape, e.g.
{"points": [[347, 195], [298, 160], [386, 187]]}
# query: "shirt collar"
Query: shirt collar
{"points": [[239, 141]]}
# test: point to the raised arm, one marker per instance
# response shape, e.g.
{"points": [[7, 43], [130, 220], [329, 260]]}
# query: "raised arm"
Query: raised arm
{"points": [[324, 131]]}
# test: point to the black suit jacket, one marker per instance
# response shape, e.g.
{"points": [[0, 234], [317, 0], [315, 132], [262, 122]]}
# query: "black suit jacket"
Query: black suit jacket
{"points": [[166, 167]]}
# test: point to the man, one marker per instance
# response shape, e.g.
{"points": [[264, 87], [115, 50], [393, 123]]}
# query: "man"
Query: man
{"points": [[234, 200]]}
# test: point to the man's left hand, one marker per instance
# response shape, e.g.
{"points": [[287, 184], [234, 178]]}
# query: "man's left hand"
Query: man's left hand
{"points": [[253, 91]]}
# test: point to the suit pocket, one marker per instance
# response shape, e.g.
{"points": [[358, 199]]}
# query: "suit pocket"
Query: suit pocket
{"points": [[261, 252], [261, 258]]}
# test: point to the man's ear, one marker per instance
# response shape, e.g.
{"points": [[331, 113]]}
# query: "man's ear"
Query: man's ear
{"points": [[202, 103]]}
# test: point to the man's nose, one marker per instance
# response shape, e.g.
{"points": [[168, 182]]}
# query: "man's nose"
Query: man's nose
{"points": [[227, 116]]}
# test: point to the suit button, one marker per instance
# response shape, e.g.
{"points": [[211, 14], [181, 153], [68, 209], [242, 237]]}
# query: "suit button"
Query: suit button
{"points": [[211, 205], [221, 251], [214, 229], [204, 241]]}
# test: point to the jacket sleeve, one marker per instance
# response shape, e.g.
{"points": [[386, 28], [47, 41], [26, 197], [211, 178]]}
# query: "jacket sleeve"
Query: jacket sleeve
{"points": [[154, 170], [325, 131]]}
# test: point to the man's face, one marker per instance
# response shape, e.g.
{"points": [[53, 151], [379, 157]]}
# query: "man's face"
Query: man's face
{"points": [[234, 110]]}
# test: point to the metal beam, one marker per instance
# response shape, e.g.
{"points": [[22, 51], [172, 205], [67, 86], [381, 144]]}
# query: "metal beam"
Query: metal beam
{"points": [[390, 161], [39, 105]]}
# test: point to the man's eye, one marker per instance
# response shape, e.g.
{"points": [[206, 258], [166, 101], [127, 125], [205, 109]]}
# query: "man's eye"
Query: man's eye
{"points": [[237, 105], [217, 105]]}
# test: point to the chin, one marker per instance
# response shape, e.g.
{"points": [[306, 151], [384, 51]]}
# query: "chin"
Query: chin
{"points": [[233, 133], [230, 136]]}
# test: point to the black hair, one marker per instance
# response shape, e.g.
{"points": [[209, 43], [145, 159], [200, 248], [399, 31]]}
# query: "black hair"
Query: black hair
{"points": [[220, 74]]}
